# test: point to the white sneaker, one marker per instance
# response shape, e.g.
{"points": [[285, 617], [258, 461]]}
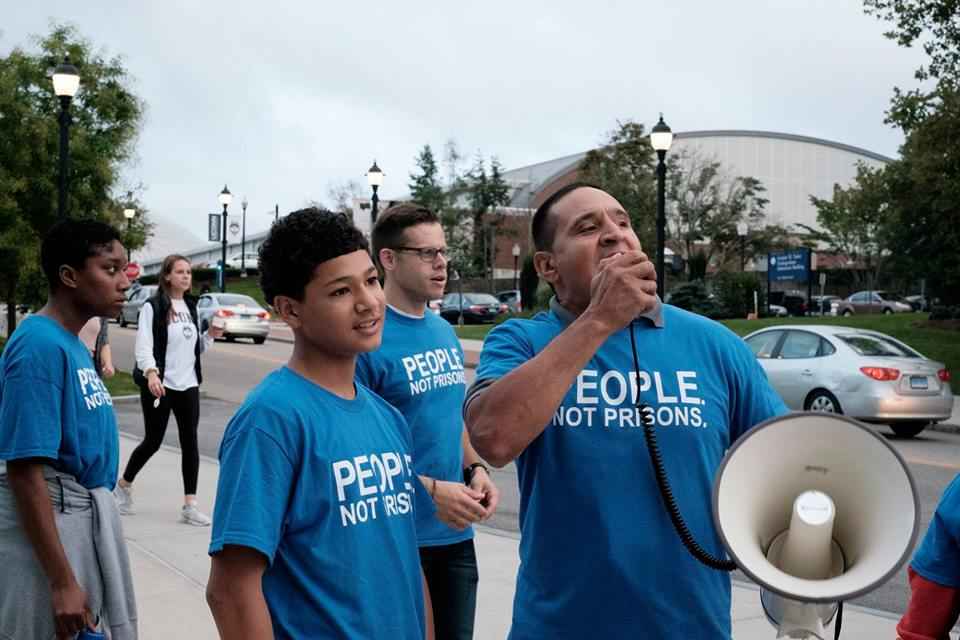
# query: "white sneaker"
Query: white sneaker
{"points": [[191, 515], [124, 498]]}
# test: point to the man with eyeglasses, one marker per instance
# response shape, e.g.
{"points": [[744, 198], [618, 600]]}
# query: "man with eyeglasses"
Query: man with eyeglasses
{"points": [[419, 369]]}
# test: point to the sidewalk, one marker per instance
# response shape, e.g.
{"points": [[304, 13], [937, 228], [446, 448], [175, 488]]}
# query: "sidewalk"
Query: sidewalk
{"points": [[171, 566]]}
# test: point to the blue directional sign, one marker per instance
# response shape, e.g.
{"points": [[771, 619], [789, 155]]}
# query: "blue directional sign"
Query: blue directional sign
{"points": [[789, 265]]}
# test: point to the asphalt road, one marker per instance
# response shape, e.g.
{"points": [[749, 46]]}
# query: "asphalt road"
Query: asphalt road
{"points": [[232, 369]]}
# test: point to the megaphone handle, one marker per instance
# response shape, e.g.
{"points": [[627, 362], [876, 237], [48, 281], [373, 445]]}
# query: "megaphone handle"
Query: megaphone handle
{"points": [[656, 460], [838, 621]]}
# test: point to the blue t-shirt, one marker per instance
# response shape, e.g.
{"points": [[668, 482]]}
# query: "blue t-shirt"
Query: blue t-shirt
{"points": [[598, 553], [53, 404], [419, 370], [938, 558], [324, 488]]}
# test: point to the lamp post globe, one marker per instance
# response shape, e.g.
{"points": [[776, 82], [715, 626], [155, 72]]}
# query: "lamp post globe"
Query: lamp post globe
{"points": [[661, 138], [66, 82], [375, 179], [225, 199]]}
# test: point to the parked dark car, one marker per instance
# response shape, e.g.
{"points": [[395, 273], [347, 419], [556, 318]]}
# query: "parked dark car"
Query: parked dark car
{"points": [[478, 308], [823, 305], [918, 302], [511, 298], [796, 305]]}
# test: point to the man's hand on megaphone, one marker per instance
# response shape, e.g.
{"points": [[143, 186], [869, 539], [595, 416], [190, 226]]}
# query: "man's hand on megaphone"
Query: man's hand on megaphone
{"points": [[624, 287]]}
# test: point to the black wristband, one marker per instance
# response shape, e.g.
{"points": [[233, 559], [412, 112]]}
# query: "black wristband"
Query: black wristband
{"points": [[468, 471]]}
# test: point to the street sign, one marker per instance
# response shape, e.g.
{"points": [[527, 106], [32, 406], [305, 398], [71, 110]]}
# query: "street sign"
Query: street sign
{"points": [[132, 271], [789, 265], [234, 228], [213, 227]]}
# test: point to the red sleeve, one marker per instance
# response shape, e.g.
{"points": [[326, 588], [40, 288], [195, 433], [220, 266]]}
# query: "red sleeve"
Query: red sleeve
{"points": [[932, 611]]}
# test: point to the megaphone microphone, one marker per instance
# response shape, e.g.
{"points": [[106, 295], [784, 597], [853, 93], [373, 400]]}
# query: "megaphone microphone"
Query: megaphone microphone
{"points": [[817, 509]]}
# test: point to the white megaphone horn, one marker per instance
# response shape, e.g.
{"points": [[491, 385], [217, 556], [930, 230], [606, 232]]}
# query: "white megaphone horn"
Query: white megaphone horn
{"points": [[817, 509]]}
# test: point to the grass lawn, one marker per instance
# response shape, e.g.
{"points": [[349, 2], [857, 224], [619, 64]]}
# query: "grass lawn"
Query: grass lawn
{"points": [[473, 331], [249, 286], [121, 384], [939, 344]]}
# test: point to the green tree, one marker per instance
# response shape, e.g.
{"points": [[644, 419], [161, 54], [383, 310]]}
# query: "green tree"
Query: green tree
{"points": [[624, 167], [924, 188], [934, 24], [856, 223], [484, 193], [106, 118], [705, 206], [425, 184]]}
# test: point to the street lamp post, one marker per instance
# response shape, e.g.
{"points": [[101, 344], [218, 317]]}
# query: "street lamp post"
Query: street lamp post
{"points": [[243, 240], [375, 178], [225, 199], [129, 213], [742, 230], [66, 81], [660, 139], [516, 262]]}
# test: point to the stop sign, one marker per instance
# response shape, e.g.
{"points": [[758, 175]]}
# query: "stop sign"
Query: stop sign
{"points": [[132, 271]]}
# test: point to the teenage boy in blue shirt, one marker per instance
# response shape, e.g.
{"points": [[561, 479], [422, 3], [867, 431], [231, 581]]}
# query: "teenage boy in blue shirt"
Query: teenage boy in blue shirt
{"points": [[313, 527], [558, 393], [419, 370], [59, 440]]}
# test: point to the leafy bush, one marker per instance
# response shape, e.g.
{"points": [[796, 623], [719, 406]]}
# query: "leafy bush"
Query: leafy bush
{"points": [[734, 292], [693, 296], [945, 313]]}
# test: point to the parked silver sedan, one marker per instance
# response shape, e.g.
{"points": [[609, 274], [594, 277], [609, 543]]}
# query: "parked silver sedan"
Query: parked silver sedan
{"points": [[864, 374], [242, 316]]}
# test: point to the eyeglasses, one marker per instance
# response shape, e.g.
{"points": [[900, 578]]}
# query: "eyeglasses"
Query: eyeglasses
{"points": [[427, 254]]}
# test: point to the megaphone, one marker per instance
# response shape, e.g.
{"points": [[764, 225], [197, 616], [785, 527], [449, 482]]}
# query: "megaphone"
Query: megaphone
{"points": [[817, 509]]}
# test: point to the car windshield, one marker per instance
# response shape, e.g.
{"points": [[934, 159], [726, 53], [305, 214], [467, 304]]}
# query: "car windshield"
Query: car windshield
{"points": [[868, 345], [233, 299], [480, 298]]}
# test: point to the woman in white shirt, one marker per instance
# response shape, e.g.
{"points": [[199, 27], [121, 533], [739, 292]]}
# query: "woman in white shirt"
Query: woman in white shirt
{"points": [[168, 348]]}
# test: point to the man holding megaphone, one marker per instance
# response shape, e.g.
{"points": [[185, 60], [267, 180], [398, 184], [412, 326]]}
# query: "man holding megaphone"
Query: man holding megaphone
{"points": [[566, 393]]}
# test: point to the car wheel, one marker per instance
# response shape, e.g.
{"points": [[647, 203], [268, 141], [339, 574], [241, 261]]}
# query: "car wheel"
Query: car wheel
{"points": [[887, 311], [259, 340], [822, 400], [847, 313], [229, 338], [908, 429]]}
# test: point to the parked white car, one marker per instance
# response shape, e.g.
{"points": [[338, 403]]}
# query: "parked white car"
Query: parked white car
{"points": [[864, 374], [250, 262]]}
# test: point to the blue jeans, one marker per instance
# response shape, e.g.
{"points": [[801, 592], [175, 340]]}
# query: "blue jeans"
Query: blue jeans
{"points": [[452, 577]]}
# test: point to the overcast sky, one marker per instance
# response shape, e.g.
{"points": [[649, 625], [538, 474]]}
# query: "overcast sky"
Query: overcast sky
{"points": [[281, 101]]}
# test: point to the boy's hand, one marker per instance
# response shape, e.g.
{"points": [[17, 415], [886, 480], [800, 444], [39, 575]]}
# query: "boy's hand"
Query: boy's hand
{"points": [[71, 614]]}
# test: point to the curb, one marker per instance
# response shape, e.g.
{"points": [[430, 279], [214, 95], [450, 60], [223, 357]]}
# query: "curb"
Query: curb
{"points": [[945, 428]]}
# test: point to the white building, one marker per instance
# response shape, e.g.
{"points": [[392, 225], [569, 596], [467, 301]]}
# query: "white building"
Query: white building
{"points": [[791, 167]]}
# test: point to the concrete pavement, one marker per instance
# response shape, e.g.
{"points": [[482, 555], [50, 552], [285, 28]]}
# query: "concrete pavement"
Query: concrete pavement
{"points": [[171, 566]]}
